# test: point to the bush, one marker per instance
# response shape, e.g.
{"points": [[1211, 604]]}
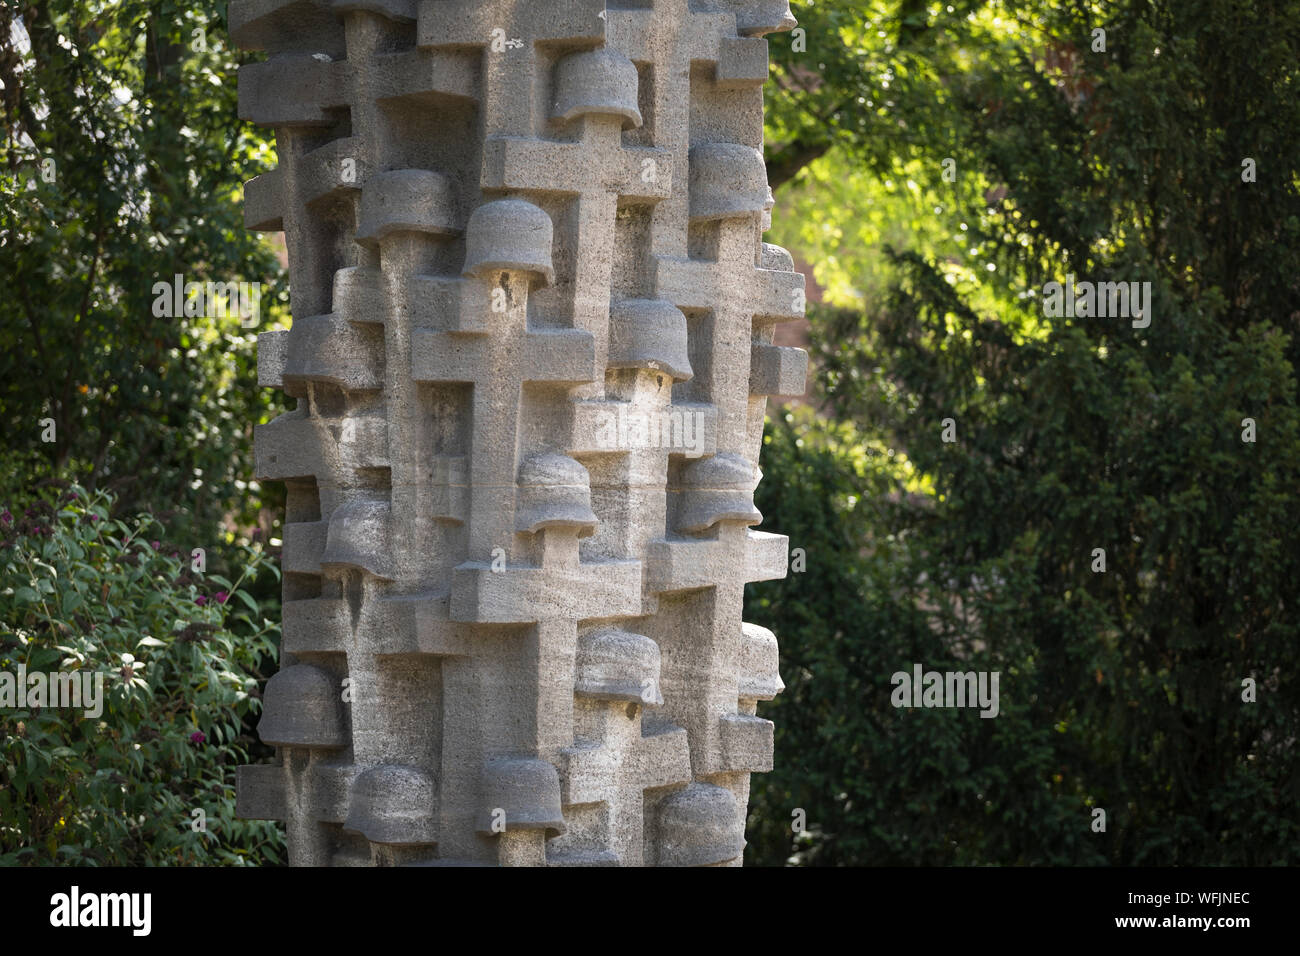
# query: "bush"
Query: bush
{"points": [[178, 649], [879, 785]]}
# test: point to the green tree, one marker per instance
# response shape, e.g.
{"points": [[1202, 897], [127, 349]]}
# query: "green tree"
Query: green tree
{"points": [[1121, 689], [121, 167]]}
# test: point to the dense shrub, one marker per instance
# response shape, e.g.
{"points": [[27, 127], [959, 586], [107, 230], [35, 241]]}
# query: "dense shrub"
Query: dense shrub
{"points": [[877, 784], [1120, 690], [81, 591]]}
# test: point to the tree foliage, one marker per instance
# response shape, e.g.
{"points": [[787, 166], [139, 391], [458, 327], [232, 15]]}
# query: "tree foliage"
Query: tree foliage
{"points": [[121, 166], [1122, 689]]}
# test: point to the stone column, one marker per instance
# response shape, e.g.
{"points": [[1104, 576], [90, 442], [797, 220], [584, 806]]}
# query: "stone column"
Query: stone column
{"points": [[531, 350]]}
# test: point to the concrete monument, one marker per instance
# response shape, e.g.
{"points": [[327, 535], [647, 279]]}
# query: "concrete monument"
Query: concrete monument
{"points": [[531, 348]]}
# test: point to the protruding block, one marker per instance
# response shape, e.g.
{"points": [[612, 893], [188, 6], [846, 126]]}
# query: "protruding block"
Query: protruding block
{"points": [[271, 348], [742, 63], [649, 333], [315, 626], [264, 202], [358, 295], [273, 25], [554, 492], [328, 348], [407, 200], [719, 488], [358, 538], [777, 370], [526, 595], [728, 180], [614, 664], [758, 676], [294, 446], [260, 792], [509, 235], [761, 17], [304, 543], [746, 743], [290, 90]]}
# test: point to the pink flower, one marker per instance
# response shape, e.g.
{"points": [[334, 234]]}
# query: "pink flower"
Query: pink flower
{"points": [[200, 600], [221, 597], [197, 737]]}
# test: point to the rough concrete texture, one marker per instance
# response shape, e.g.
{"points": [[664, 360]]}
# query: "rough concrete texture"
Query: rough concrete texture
{"points": [[531, 348]]}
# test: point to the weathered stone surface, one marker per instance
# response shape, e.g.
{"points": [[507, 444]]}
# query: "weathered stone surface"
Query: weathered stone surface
{"points": [[531, 347]]}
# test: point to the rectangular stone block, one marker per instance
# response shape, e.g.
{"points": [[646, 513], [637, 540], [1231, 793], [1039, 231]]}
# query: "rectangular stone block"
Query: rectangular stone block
{"points": [[775, 370], [260, 792]]}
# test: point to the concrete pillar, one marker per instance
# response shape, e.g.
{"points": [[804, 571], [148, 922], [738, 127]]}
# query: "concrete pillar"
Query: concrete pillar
{"points": [[531, 350]]}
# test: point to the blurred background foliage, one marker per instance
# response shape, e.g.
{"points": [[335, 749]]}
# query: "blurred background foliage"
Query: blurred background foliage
{"points": [[1119, 690]]}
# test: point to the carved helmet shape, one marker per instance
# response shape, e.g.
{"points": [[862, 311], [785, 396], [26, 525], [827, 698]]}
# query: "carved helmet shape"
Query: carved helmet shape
{"points": [[718, 488], [554, 492], [393, 804], [614, 664], [302, 707], [509, 235], [697, 827], [597, 83]]}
